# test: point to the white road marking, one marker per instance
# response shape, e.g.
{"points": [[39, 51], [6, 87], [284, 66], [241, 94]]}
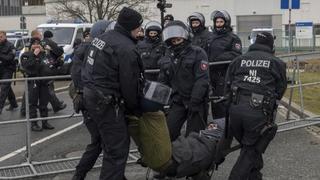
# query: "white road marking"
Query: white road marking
{"points": [[14, 153]]}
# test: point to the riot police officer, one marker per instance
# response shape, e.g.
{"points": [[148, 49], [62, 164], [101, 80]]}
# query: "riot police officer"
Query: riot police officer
{"points": [[151, 49], [111, 76], [185, 69], [93, 149], [201, 34], [7, 68], [255, 82], [223, 46], [35, 63]]}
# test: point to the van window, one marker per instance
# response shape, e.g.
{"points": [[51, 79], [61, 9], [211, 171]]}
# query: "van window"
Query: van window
{"points": [[20, 44], [79, 34], [61, 35]]}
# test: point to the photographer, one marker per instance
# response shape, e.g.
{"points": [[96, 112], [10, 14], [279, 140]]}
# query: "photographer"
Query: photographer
{"points": [[34, 62]]}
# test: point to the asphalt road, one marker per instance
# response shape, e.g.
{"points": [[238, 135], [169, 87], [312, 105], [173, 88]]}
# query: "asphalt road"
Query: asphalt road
{"points": [[292, 155]]}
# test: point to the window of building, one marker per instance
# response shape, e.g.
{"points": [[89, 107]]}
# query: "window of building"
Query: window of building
{"points": [[293, 29], [33, 2]]}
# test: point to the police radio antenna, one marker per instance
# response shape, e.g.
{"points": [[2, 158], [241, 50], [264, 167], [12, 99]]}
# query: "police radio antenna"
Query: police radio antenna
{"points": [[162, 5]]}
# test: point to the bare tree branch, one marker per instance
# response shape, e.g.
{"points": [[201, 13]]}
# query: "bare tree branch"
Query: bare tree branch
{"points": [[90, 10]]}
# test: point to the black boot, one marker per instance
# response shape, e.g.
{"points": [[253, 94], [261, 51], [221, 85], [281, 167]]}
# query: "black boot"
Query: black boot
{"points": [[76, 177], [46, 125], [35, 127], [61, 107]]}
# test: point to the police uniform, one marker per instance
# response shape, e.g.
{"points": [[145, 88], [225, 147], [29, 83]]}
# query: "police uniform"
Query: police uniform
{"points": [[33, 66], [151, 49], [201, 35], [256, 81], [111, 78], [223, 46], [7, 68], [93, 149], [55, 54], [185, 69]]}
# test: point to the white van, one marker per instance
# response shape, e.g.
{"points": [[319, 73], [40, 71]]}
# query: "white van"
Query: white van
{"points": [[255, 31], [65, 34]]}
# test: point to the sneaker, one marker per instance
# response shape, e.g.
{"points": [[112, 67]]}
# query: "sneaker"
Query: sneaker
{"points": [[11, 108]]}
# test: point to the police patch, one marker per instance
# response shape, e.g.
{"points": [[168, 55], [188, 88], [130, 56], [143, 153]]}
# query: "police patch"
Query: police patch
{"points": [[204, 65], [237, 46]]}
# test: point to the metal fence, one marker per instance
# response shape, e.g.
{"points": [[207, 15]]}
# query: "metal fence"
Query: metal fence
{"points": [[282, 42], [34, 169]]}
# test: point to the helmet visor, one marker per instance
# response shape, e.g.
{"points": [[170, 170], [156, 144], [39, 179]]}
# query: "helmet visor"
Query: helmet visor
{"points": [[174, 31]]}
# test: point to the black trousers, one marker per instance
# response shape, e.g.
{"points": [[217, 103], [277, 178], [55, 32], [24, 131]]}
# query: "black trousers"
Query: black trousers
{"points": [[93, 149], [113, 132], [53, 99], [217, 79], [38, 98], [6, 90], [246, 124], [179, 114]]}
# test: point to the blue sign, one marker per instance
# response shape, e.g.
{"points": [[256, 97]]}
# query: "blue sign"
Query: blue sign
{"points": [[304, 24], [295, 4]]}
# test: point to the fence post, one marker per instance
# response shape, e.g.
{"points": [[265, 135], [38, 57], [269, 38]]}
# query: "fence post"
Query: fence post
{"points": [[28, 140], [300, 90], [292, 83]]}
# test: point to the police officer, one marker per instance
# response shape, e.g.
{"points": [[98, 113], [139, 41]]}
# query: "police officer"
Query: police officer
{"points": [[201, 34], [93, 149], [34, 64], [223, 46], [255, 81], [168, 18], [7, 68], [151, 49], [185, 69], [55, 53], [111, 77]]}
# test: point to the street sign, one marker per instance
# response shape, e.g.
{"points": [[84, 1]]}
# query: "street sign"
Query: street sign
{"points": [[285, 4], [304, 30]]}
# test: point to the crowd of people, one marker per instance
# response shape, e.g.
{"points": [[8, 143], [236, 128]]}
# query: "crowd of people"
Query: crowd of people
{"points": [[197, 65]]}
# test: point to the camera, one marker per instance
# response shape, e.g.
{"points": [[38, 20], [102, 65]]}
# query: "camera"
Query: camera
{"points": [[162, 4]]}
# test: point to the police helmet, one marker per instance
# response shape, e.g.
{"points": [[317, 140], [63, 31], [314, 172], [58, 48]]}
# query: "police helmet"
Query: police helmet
{"points": [[221, 14], [153, 26], [155, 96], [100, 27], [197, 16], [175, 29], [169, 17]]}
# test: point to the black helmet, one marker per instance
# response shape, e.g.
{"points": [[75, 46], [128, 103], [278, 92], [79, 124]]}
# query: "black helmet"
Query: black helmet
{"points": [[176, 29], [197, 16], [221, 14], [153, 26], [169, 17]]}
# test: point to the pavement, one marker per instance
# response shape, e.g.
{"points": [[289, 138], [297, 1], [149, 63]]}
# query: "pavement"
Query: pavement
{"points": [[292, 155]]}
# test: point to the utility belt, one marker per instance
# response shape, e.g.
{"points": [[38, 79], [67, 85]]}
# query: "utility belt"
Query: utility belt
{"points": [[108, 99], [257, 101]]}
